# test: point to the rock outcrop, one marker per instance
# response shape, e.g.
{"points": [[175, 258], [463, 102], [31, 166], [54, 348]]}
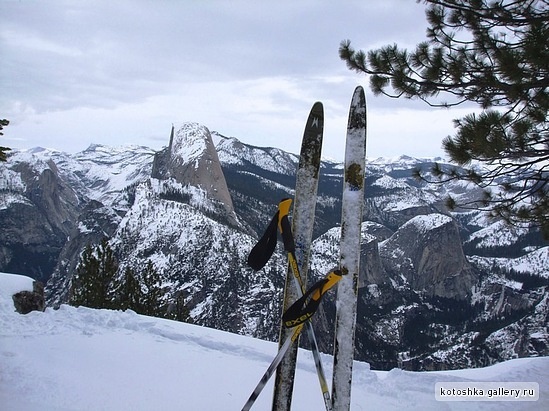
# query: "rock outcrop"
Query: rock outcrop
{"points": [[39, 210], [427, 252], [371, 268], [27, 301], [191, 159]]}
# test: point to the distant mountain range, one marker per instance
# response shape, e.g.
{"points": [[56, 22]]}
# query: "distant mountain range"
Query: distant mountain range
{"points": [[438, 289]]}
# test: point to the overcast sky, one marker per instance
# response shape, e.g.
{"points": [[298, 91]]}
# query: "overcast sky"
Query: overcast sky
{"points": [[120, 72]]}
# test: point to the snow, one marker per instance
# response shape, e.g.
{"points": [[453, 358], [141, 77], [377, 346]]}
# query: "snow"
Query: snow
{"points": [[83, 228], [425, 223], [190, 142], [534, 263], [402, 161], [498, 234], [107, 170], [11, 284], [99, 172], [11, 180], [85, 359], [387, 182], [232, 152], [7, 199]]}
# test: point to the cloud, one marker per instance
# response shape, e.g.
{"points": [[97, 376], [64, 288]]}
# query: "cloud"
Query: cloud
{"points": [[97, 71]]}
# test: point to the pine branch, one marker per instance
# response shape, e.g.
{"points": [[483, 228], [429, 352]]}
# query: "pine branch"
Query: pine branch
{"points": [[495, 54]]}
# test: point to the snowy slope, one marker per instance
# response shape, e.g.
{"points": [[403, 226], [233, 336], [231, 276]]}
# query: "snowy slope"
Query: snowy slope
{"points": [[105, 171], [232, 152], [535, 263], [184, 244], [84, 359], [99, 172]]}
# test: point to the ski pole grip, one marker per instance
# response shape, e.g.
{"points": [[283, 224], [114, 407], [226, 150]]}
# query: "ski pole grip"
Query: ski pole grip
{"points": [[284, 209], [305, 307], [284, 224], [263, 250]]}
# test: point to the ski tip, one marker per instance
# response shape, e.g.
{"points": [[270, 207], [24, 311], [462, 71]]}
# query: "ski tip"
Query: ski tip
{"points": [[315, 121], [317, 109], [359, 94]]}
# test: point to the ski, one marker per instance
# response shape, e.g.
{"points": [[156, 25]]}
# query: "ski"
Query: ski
{"points": [[303, 216], [351, 220], [294, 319]]}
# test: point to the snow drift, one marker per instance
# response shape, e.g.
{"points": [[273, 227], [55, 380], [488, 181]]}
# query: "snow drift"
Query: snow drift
{"points": [[85, 359]]}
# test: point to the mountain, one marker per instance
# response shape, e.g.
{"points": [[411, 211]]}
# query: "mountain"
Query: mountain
{"points": [[113, 360], [191, 158], [438, 289]]}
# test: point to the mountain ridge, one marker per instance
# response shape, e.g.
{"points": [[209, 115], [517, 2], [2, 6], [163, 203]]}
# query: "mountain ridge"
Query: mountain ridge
{"points": [[190, 236]]}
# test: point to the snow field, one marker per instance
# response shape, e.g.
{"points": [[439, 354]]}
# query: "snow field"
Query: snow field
{"points": [[85, 359]]}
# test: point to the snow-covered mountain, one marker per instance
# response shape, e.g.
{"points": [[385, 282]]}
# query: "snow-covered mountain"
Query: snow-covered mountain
{"points": [[437, 289], [85, 359]]}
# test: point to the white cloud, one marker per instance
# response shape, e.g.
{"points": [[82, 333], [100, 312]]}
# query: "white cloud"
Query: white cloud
{"points": [[74, 73]]}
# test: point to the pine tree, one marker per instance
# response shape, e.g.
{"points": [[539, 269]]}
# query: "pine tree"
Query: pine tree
{"points": [[85, 281], [153, 296], [95, 273], [3, 155], [494, 54], [130, 295], [178, 310]]}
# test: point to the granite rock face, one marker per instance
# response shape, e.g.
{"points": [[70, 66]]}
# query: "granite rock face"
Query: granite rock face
{"points": [[427, 253], [40, 213], [191, 159]]}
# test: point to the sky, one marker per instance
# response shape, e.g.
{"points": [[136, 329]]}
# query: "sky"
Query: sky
{"points": [[73, 73]]}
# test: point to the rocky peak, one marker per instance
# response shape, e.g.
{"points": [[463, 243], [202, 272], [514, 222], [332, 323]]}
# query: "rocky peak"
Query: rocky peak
{"points": [[191, 159], [427, 252]]}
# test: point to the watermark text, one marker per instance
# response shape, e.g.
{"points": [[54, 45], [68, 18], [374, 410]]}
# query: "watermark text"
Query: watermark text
{"points": [[487, 391]]}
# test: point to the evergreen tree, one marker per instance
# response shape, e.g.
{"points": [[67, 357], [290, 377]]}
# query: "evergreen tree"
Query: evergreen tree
{"points": [[130, 295], [494, 54], [93, 285], [84, 282], [153, 296], [3, 156], [178, 310], [95, 273]]}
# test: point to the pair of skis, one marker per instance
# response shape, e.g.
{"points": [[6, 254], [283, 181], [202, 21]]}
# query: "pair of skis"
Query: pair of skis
{"points": [[298, 256]]}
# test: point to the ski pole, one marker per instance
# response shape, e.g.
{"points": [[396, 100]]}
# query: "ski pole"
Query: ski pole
{"points": [[304, 305], [272, 368]]}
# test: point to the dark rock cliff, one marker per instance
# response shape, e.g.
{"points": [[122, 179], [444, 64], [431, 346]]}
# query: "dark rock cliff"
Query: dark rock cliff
{"points": [[427, 252]]}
